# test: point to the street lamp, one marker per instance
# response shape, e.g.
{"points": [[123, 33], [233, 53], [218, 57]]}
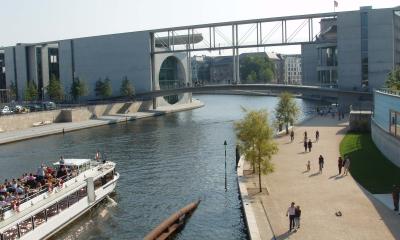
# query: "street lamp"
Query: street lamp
{"points": [[225, 163]]}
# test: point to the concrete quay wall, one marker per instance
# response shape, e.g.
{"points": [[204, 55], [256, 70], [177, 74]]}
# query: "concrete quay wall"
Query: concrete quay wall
{"points": [[23, 121]]}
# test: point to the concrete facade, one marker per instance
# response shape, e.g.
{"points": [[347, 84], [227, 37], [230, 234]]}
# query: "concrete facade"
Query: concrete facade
{"points": [[385, 104], [112, 57], [367, 44]]}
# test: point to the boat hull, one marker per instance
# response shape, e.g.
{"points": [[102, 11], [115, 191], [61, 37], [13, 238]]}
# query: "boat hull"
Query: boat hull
{"points": [[69, 215]]}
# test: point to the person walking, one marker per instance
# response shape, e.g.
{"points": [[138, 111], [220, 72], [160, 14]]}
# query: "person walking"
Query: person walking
{"points": [[321, 163], [291, 136], [309, 145], [340, 165], [305, 145], [395, 196], [297, 215], [317, 136], [305, 136], [346, 166], [292, 213]]}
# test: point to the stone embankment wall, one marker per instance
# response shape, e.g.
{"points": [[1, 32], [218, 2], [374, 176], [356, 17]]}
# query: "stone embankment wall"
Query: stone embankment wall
{"points": [[78, 114]]}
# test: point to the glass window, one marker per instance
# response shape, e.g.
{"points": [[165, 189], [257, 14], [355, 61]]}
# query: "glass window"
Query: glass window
{"points": [[394, 128], [52, 211], [73, 198], [39, 218], [25, 226], [82, 193], [364, 45], [11, 233], [63, 204]]}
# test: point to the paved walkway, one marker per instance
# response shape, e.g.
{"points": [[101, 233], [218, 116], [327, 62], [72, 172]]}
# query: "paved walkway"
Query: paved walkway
{"points": [[319, 195], [58, 128]]}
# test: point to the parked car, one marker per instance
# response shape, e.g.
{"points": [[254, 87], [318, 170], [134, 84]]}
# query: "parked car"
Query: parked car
{"points": [[34, 107], [49, 105], [5, 110]]}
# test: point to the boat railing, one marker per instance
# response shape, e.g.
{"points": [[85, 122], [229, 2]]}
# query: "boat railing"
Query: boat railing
{"points": [[28, 197]]}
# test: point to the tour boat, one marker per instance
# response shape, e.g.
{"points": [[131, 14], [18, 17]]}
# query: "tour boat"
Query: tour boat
{"points": [[41, 214]]}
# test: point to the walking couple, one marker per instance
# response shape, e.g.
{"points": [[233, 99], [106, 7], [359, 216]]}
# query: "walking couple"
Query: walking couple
{"points": [[294, 214], [344, 163]]}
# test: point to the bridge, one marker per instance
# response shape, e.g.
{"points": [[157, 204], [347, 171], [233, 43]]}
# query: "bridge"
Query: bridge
{"points": [[295, 89]]}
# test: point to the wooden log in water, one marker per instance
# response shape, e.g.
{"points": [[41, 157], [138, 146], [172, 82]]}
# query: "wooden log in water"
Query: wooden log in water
{"points": [[172, 224]]}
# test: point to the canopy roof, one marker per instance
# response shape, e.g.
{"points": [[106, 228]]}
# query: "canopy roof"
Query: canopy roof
{"points": [[74, 162]]}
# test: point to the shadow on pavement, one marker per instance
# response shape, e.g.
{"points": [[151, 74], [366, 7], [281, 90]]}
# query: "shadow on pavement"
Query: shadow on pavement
{"points": [[283, 236]]}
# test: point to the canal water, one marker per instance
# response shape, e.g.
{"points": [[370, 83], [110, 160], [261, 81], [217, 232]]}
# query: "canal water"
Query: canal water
{"points": [[165, 163]]}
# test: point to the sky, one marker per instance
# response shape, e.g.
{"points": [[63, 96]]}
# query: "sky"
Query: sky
{"points": [[30, 21]]}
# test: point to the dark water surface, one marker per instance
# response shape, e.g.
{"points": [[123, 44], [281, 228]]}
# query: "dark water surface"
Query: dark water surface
{"points": [[165, 163]]}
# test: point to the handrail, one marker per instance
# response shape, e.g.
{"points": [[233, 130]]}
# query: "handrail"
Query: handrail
{"points": [[389, 91]]}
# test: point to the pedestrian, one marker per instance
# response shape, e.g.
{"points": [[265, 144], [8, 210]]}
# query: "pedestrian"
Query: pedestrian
{"points": [[97, 156], [291, 136], [305, 145], [292, 213], [309, 145], [308, 165], [346, 166], [340, 165], [305, 135], [395, 195], [321, 163], [317, 136], [297, 214]]}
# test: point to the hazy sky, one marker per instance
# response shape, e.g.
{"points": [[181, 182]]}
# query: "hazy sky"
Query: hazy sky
{"points": [[29, 21]]}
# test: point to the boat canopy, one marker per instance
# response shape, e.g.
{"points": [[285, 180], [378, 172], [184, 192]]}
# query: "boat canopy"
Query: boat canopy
{"points": [[74, 162]]}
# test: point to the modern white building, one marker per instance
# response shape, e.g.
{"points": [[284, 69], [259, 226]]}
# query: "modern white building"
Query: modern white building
{"points": [[113, 57]]}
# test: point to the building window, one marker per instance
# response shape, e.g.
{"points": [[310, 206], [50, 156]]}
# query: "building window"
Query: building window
{"points": [[364, 49], [394, 128]]}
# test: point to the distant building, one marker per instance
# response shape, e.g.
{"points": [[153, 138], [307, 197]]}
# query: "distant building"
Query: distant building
{"points": [[354, 51], [292, 69]]}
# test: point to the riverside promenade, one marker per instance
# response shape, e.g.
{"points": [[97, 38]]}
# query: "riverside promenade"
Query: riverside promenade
{"points": [[59, 128], [319, 195]]}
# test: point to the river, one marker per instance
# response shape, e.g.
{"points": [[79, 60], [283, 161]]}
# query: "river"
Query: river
{"points": [[165, 163]]}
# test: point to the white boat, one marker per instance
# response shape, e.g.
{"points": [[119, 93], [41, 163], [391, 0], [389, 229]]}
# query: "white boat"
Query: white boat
{"points": [[41, 215]]}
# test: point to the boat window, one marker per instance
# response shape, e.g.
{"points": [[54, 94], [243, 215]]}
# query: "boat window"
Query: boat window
{"points": [[11, 233], [98, 183], [25, 226], [52, 211], [82, 193], [39, 218], [63, 204], [73, 198]]}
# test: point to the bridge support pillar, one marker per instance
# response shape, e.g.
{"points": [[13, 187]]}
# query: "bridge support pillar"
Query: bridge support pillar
{"points": [[154, 103]]}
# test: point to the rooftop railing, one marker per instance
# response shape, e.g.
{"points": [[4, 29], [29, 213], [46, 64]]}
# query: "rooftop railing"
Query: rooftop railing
{"points": [[389, 91]]}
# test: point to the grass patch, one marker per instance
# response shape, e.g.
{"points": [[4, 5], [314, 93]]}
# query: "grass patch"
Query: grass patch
{"points": [[368, 165]]}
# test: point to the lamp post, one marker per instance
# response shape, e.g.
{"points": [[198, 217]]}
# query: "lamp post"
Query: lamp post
{"points": [[225, 164]]}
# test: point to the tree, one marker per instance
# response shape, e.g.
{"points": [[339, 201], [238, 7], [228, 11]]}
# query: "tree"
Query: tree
{"points": [[287, 111], [103, 88], [54, 89], [257, 69], [13, 90], [127, 89], [393, 79], [78, 89], [31, 91], [256, 141]]}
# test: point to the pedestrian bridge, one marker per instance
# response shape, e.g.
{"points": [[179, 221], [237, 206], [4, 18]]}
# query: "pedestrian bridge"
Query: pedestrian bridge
{"points": [[295, 89]]}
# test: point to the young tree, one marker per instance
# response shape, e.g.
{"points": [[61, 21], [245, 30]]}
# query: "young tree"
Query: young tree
{"points": [[13, 90], [54, 89], [103, 88], [256, 141], [78, 89], [127, 89], [393, 79], [31, 91], [287, 111]]}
